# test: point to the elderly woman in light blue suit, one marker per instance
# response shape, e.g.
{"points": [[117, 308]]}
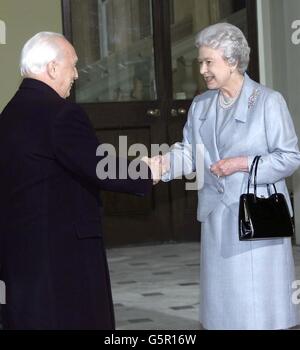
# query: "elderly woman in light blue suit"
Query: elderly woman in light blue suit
{"points": [[244, 285]]}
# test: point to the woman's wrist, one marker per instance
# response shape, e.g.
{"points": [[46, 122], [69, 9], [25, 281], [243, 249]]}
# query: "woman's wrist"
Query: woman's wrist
{"points": [[242, 163]]}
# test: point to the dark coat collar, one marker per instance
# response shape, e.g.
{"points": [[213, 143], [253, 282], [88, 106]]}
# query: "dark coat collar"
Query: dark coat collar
{"points": [[38, 86]]}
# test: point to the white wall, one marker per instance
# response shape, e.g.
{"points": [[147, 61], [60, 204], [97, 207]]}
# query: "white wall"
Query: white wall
{"points": [[291, 10], [22, 20], [279, 65]]}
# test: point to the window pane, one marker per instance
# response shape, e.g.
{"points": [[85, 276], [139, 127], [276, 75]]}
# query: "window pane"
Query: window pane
{"points": [[114, 43], [188, 17]]}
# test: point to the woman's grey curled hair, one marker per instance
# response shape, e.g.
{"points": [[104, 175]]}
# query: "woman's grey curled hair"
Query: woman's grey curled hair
{"points": [[230, 39]]}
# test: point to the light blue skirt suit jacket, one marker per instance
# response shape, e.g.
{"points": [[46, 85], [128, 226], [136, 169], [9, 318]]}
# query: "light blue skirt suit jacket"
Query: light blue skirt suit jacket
{"points": [[244, 285]]}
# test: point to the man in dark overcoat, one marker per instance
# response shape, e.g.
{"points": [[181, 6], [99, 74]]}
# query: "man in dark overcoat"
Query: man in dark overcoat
{"points": [[53, 260]]}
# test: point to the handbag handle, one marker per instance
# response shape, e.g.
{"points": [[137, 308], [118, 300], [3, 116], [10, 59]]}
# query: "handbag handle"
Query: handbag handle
{"points": [[254, 166], [255, 161]]}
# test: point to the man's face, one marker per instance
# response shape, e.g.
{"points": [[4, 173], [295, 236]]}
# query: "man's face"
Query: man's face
{"points": [[65, 70]]}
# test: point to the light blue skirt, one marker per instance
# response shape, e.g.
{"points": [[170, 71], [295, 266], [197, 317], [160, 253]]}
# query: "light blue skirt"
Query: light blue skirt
{"points": [[244, 285]]}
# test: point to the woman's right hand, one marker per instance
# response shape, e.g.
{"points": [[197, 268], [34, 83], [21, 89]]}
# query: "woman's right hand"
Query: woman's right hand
{"points": [[229, 166]]}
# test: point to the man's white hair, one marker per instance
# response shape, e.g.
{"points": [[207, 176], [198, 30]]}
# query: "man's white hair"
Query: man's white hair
{"points": [[38, 51]]}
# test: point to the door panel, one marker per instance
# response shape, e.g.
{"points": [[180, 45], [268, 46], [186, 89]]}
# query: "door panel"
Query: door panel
{"points": [[138, 75]]}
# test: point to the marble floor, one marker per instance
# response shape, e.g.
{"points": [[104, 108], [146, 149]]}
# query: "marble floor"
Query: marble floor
{"points": [[157, 287]]}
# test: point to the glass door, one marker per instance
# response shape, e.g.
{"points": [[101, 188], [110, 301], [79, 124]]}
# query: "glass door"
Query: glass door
{"points": [[114, 41], [138, 74], [121, 86]]}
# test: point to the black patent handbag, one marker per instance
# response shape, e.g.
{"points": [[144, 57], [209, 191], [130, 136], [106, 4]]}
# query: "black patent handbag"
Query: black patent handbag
{"points": [[263, 218]]}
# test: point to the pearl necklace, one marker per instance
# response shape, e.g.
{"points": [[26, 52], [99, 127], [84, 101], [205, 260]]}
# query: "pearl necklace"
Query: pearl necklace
{"points": [[227, 102]]}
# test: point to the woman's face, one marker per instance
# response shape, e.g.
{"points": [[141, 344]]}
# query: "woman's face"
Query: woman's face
{"points": [[214, 69]]}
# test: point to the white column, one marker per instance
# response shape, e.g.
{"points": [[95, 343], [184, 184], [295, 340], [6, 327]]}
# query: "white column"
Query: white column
{"points": [[292, 13], [279, 67], [264, 42]]}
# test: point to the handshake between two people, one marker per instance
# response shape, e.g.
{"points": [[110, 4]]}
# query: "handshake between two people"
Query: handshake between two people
{"points": [[159, 165]]}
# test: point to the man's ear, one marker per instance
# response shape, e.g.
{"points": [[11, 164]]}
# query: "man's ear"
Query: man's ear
{"points": [[51, 69]]}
